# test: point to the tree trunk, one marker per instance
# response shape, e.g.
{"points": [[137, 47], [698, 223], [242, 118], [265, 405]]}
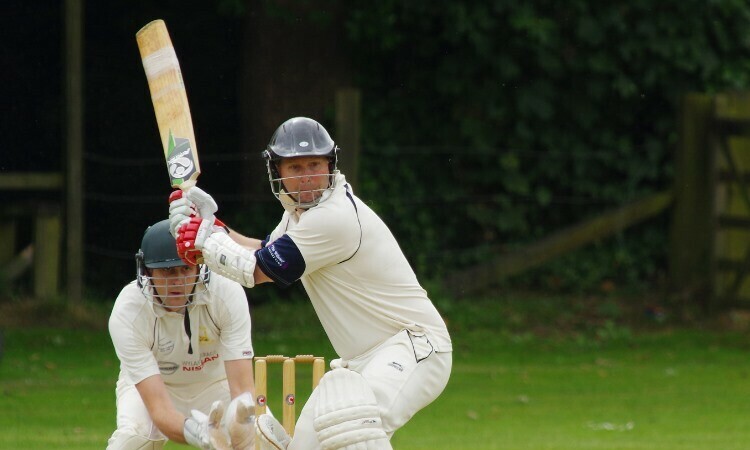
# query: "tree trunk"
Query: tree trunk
{"points": [[294, 60]]}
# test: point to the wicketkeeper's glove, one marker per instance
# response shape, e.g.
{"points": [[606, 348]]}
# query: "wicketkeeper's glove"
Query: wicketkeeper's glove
{"points": [[205, 432], [239, 422]]}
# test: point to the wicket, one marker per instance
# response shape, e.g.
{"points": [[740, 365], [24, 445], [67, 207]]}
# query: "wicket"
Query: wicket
{"points": [[288, 383]]}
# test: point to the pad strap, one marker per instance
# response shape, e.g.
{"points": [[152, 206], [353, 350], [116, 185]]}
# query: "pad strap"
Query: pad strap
{"points": [[227, 258]]}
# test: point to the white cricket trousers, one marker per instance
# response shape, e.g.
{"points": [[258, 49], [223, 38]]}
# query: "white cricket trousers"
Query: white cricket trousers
{"points": [[134, 425], [404, 373]]}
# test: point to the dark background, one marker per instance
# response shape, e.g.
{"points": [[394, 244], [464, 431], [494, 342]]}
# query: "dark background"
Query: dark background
{"points": [[126, 184], [485, 125]]}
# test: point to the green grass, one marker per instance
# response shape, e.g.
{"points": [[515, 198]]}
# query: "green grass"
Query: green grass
{"points": [[57, 389], [681, 390], [531, 373]]}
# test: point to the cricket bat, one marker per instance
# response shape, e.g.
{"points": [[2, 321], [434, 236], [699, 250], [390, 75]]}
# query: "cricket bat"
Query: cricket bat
{"points": [[170, 104]]}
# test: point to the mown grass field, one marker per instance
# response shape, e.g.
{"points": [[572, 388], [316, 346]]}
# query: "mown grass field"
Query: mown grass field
{"points": [[529, 373]]}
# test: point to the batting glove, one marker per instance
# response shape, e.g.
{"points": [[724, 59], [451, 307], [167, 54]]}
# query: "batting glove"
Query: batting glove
{"points": [[205, 432], [180, 211], [192, 235], [204, 203], [184, 205]]}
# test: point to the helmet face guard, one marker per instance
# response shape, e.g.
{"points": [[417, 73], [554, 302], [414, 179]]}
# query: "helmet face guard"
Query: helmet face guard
{"points": [[299, 137], [293, 198], [159, 251]]}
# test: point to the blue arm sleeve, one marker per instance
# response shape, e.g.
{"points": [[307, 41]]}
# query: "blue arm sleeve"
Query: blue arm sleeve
{"points": [[281, 261]]}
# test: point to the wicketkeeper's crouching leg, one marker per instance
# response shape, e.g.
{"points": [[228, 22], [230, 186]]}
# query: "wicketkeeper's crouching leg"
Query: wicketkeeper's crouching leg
{"points": [[135, 430], [222, 429], [134, 442], [346, 417]]}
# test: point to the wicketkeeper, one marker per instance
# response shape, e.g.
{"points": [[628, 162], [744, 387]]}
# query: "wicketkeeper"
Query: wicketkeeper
{"points": [[393, 346], [182, 335]]}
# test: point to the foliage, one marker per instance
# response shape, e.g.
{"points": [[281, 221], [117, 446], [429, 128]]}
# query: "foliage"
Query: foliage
{"points": [[512, 119]]}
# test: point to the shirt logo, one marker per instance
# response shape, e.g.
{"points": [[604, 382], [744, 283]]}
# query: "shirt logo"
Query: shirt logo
{"points": [[166, 345], [396, 366], [197, 366], [203, 335], [167, 368], [277, 257]]}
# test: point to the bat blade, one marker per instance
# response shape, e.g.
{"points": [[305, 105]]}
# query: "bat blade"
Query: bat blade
{"points": [[170, 102]]}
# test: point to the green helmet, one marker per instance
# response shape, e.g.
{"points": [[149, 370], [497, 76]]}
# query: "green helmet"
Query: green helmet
{"points": [[159, 251], [158, 247]]}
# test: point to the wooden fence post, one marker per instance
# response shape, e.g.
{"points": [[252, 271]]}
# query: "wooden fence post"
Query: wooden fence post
{"points": [[731, 199], [347, 133], [47, 238], [7, 240], [692, 219], [74, 143]]}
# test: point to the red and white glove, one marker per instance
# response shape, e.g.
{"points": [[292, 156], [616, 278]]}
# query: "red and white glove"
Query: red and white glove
{"points": [[180, 211], [184, 205], [192, 235]]}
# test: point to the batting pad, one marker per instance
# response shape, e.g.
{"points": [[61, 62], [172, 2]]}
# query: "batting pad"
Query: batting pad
{"points": [[347, 415]]}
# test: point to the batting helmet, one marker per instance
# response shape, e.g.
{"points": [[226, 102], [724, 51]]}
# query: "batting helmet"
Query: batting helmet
{"points": [[158, 248], [159, 251], [299, 136]]}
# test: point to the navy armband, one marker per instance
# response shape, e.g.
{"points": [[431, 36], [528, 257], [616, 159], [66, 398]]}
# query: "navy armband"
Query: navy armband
{"points": [[281, 261]]}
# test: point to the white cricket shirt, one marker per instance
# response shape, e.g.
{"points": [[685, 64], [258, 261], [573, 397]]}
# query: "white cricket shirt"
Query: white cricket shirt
{"points": [[358, 279], [150, 340]]}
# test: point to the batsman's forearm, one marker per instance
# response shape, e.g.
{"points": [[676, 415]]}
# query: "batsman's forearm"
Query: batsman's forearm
{"points": [[248, 242]]}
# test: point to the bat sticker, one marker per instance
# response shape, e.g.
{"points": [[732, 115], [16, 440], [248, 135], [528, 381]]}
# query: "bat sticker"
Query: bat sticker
{"points": [[180, 160]]}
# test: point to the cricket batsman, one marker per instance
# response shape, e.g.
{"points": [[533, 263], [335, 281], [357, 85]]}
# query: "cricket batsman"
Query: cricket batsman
{"points": [[393, 346]]}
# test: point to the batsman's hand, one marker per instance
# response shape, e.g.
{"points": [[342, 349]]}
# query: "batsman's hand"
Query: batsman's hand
{"points": [[180, 211], [239, 422], [204, 203], [192, 235], [184, 205], [205, 432]]}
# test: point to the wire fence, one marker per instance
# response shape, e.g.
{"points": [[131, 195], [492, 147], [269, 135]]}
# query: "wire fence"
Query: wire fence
{"points": [[156, 165], [122, 213]]}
